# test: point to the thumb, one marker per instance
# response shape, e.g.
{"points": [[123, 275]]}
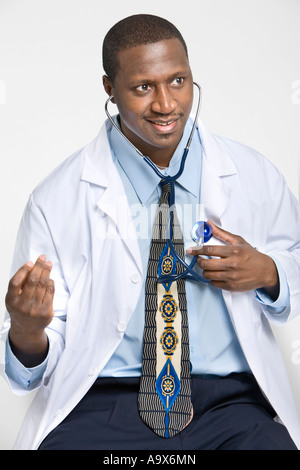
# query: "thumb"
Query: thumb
{"points": [[223, 235]]}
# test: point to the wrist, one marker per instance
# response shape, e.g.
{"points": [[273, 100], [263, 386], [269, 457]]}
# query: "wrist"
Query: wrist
{"points": [[271, 282], [30, 350]]}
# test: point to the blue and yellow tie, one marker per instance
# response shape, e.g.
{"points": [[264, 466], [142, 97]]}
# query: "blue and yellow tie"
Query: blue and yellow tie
{"points": [[165, 388]]}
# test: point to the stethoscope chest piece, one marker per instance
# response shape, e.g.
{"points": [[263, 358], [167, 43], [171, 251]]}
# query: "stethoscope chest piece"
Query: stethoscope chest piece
{"points": [[201, 232]]}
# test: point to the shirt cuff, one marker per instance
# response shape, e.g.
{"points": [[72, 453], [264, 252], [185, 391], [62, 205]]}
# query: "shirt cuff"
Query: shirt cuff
{"points": [[283, 300], [16, 371]]}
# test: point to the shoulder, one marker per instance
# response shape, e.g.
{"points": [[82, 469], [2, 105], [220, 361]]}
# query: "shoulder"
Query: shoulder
{"points": [[91, 164], [228, 156], [63, 179], [249, 161], [245, 155]]}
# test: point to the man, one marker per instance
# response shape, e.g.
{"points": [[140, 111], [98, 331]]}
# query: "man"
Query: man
{"points": [[82, 346]]}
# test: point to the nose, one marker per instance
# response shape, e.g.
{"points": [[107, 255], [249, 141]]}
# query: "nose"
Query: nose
{"points": [[164, 102]]}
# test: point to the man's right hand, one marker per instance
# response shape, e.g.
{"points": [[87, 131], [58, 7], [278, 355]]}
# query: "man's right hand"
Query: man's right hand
{"points": [[29, 301]]}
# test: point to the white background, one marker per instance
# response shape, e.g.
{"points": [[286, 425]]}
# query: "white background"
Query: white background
{"points": [[244, 53]]}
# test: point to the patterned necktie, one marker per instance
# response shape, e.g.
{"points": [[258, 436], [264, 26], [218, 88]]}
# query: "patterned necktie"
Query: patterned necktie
{"points": [[165, 389]]}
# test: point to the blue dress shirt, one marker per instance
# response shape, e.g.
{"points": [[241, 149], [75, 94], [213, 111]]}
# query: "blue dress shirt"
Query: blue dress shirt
{"points": [[214, 347]]}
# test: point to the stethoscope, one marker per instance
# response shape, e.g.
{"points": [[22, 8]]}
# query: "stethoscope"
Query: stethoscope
{"points": [[201, 232]]}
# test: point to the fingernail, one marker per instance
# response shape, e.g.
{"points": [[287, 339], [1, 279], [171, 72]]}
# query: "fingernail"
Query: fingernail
{"points": [[42, 257], [29, 263], [191, 250], [49, 263]]}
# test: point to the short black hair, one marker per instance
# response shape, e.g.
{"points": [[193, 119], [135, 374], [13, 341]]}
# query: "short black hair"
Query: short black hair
{"points": [[134, 31]]}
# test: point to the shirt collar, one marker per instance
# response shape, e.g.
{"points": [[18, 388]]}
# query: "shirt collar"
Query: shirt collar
{"points": [[142, 176]]}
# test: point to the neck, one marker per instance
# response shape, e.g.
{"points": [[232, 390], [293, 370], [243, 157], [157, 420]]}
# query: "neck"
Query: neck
{"points": [[161, 161], [161, 157]]}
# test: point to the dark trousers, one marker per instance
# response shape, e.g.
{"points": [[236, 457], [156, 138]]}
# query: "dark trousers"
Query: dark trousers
{"points": [[230, 413]]}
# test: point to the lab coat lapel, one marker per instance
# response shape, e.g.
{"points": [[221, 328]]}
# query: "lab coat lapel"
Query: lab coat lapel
{"points": [[217, 165], [100, 170], [114, 204]]}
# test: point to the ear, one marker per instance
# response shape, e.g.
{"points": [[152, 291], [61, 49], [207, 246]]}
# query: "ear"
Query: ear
{"points": [[108, 86]]}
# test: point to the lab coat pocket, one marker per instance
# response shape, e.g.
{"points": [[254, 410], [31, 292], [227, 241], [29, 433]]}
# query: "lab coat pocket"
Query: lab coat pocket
{"points": [[243, 310]]}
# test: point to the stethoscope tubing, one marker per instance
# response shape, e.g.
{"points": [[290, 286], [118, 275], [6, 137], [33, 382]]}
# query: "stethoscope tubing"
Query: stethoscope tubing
{"points": [[171, 179], [189, 272]]}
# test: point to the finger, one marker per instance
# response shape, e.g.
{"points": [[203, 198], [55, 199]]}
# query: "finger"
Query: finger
{"points": [[31, 282], [42, 283], [49, 294], [222, 251], [219, 285], [16, 282], [215, 274], [225, 236], [219, 264]]}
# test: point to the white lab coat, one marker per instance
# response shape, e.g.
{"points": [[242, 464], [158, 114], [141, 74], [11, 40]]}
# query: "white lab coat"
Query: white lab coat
{"points": [[98, 278]]}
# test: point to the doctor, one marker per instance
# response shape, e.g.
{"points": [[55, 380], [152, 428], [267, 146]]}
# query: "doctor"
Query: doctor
{"points": [[75, 304]]}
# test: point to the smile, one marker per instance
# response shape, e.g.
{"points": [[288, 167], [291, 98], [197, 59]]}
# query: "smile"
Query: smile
{"points": [[164, 123], [164, 126]]}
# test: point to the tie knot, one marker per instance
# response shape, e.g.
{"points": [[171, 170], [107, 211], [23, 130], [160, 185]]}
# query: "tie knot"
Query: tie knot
{"points": [[165, 186]]}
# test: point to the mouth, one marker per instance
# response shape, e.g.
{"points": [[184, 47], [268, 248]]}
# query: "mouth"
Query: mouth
{"points": [[164, 126]]}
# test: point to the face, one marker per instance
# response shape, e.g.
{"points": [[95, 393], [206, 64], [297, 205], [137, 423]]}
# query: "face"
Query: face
{"points": [[153, 91]]}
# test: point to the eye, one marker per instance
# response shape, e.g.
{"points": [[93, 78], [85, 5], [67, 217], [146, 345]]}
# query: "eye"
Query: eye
{"points": [[178, 81], [143, 88]]}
